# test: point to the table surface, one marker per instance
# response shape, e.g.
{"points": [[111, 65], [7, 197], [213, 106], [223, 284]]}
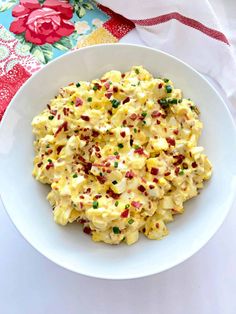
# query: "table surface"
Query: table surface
{"points": [[206, 283]]}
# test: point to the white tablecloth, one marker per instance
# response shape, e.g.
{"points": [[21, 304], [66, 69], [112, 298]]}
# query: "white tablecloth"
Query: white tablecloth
{"points": [[206, 283]]}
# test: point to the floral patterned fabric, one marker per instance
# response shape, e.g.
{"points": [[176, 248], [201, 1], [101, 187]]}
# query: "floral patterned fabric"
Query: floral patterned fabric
{"points": [[33, 32]]}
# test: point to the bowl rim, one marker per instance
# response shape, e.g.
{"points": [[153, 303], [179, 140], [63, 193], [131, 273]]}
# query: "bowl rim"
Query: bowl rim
{"points": [[145, 272]]}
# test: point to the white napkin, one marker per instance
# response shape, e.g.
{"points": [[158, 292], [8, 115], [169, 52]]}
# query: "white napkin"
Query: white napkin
{"points": [[186, 29]]}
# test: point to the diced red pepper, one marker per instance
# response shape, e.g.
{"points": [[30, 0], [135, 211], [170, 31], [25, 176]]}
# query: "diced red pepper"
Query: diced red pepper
{"points": [[154, 171], [122, 133], [141, 188], [125, 213], [129, 174], [85, 118], [156, 114], [194, 164], [108, 95]]}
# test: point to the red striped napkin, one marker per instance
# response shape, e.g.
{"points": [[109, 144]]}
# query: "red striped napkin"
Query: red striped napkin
{"points": [[188, 30]]}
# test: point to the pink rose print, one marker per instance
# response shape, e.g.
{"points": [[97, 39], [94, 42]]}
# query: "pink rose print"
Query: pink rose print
{"points": [[42, 24]]}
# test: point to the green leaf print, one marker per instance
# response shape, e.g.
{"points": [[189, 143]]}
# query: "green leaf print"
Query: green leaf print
{"points": [[63, 44], [6, 6], [42, 53]]}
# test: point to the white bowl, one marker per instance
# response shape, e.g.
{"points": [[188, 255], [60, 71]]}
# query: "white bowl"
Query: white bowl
{"points": [[25, 199]]}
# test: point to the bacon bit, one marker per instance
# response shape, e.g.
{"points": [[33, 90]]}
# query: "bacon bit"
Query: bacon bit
{"points": [[141, 188], [88, 190], [66, 111], [145, 193], [87, 230], [107, 164], [95, 134], [171, 141], [176, 132], [50, 165], [167, 174], [143, 180], [154, 171], [139, 151], [115, 89], [108, 171], [82, 197], [179, 158], [98, 196], [125, 213], [151, 187], [136, 204], [83, 221], [108, 95], [133, 116], [177, 170], [64, 126], [107, 85], [155, 180], [113, 194], [127, 99], [156, 114], [87, 167], [59, 148], [85, 118], [129, 174], [109, 111], [194, 164], [40, 164], [98, 155], [144, 229], [53, 112], [98, 86], [81, 158], [49, 151], [97, 148], [158, 122], [122, 134], [157, 225], [118, 157], [104, 80], [102, 179], [160, 85], [78, 102], [49, 107], [123, 75], [59, 117]]}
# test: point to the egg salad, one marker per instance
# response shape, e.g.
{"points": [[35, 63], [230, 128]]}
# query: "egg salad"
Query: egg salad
{"points": [[121, 155]]}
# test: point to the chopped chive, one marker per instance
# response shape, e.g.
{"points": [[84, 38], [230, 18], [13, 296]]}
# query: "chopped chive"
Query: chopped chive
{"points": [[168, 89], [166, 80], [116, 230], [51, 117], [144, 114], [172, 101], [120, 145], [181, 172], [135, 130], [101, 174], [116, 203], [95, 87], [179, 101], [163, 103], [49, 160], [137, 71], [136, 146], [115, 103], [89, 99], [75, 175], [78, 84], [130, 221], [95, 204], [127, 206], [47, 146], [116, 153], [144, 122], [114, 182], [116, 164]]}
